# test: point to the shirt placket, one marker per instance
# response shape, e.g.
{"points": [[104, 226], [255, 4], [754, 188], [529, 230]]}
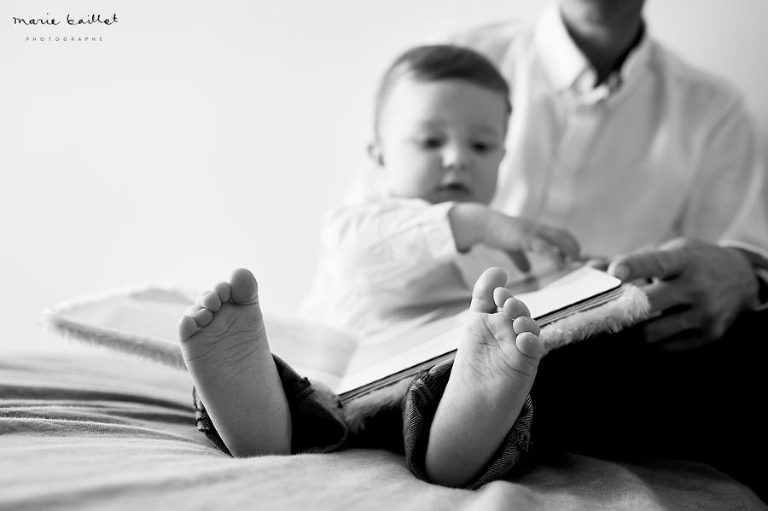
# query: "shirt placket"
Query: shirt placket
{"points": [[584, 113]]}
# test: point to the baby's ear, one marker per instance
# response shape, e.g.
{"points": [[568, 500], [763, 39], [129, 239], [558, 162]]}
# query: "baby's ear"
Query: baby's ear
{"points": [[375, 153]]}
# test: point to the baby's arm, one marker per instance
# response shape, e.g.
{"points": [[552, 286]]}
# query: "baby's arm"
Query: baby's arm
{"points": [[397, 241], [388, 243], [474, 224]]}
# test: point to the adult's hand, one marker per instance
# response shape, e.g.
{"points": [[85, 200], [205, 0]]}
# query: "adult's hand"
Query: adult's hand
{"points": [[698, 287]]}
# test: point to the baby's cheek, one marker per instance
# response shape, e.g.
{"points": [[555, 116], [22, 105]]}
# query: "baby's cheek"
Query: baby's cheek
{"points": [[486, 192]]}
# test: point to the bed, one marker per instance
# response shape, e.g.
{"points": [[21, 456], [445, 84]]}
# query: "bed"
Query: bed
{"points": [[96, 430]]}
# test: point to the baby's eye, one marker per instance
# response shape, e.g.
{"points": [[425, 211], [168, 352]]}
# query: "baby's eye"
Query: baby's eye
{"points": [[482, 147], [429, 142]]}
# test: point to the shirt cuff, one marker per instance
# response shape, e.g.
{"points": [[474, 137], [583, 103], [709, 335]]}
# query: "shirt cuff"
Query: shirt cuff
{"points": [[758, 258], [437, 231], [762, 290]]}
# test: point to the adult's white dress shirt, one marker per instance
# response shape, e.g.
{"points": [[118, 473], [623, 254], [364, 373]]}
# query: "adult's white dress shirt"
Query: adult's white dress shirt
{"points": [[659, 150]]}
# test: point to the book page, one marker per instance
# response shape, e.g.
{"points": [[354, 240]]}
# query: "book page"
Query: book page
{"points": [[411, 343], [405, 344], [313, 350], [567, 290]]}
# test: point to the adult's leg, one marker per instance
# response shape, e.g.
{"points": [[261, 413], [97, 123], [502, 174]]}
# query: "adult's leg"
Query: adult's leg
{"points": [[617, 396]]}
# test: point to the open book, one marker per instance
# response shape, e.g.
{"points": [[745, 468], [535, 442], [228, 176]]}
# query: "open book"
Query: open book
{"points": [[568, 305]]}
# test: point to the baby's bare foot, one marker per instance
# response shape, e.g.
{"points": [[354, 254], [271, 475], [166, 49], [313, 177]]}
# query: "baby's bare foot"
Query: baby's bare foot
{"points": [[491, 377], [500, 351], [224, 344]]}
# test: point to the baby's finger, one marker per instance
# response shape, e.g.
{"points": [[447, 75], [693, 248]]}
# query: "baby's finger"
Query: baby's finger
{"points": [[560, 239], [598, 263], [520, 260]]}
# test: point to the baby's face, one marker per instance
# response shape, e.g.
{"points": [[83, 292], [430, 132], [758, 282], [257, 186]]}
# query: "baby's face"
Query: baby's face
{"points": [[442, 141]]}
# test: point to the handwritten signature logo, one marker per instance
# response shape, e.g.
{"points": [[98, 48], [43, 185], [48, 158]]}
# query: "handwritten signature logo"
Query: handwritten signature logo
{"points": [[48, 20]]}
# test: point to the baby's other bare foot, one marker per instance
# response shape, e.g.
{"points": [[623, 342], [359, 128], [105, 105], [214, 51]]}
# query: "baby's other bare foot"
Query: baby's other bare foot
{"points": [[224, 344], [500, 350], [491, 377]]}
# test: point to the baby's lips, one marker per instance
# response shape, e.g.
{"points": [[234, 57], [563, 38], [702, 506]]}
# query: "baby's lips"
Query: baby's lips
{"points": [[455, 186]]}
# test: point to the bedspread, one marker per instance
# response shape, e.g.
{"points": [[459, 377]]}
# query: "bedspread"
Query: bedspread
{"points": [[108, 432]]}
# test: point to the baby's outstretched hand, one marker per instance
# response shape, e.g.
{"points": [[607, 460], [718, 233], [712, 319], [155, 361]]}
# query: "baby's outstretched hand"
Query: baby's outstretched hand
{"points": [[474, 223], [515, 235]]}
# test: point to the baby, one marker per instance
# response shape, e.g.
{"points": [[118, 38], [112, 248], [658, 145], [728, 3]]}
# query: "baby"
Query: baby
{"points": [[423, 235], [440, 137]]}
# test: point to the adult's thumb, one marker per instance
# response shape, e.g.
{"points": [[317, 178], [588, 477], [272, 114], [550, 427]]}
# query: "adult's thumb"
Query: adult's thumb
{"points": [[659, 264]]}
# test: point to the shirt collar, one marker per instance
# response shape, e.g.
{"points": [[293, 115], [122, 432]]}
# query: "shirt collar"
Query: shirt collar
{"points": [[568, 68]]}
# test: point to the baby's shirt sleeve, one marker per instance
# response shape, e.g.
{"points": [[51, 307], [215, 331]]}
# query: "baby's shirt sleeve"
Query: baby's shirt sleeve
{"points": [[390, 242]]}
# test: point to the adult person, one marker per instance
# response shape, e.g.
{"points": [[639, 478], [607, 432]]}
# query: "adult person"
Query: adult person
{"points": [[656, 168]]}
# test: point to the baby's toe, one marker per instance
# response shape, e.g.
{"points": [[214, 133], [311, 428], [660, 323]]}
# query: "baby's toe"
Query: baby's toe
{"points": [[200, 316], [525, 324], [501, 295], [530, 345], [243, 287], [482, 293], [210, 300], [514, 308], [187, 327], [203, 317], [223, 290]]}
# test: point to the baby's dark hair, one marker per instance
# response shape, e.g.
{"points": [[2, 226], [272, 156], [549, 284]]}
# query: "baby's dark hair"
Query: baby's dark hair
{"points": [[432, 63]]}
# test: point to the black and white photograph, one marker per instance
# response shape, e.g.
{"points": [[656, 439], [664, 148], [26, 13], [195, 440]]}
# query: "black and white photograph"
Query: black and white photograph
{"points": [[400, 255]]}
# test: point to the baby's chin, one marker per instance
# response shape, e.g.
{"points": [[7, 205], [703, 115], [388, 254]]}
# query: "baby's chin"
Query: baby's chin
{"points": [[440, 196], [452, 195]]}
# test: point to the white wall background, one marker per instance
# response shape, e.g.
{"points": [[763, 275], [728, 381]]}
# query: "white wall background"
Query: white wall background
{"points": [[200, 136]]}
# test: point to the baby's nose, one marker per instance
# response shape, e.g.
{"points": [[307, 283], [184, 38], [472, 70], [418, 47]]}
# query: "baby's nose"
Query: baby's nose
{"points": [[455, 157]]}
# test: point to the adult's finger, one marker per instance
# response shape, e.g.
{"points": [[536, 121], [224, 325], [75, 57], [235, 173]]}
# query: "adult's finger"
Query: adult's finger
{"points": [[664, 295], [691, 341], [659, 264], [670, 326], [676, 332]]}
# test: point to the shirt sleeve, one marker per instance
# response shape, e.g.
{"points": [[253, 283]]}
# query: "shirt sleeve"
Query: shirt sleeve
{"points": [[728, 199], [389, 242], [729, 202]]}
